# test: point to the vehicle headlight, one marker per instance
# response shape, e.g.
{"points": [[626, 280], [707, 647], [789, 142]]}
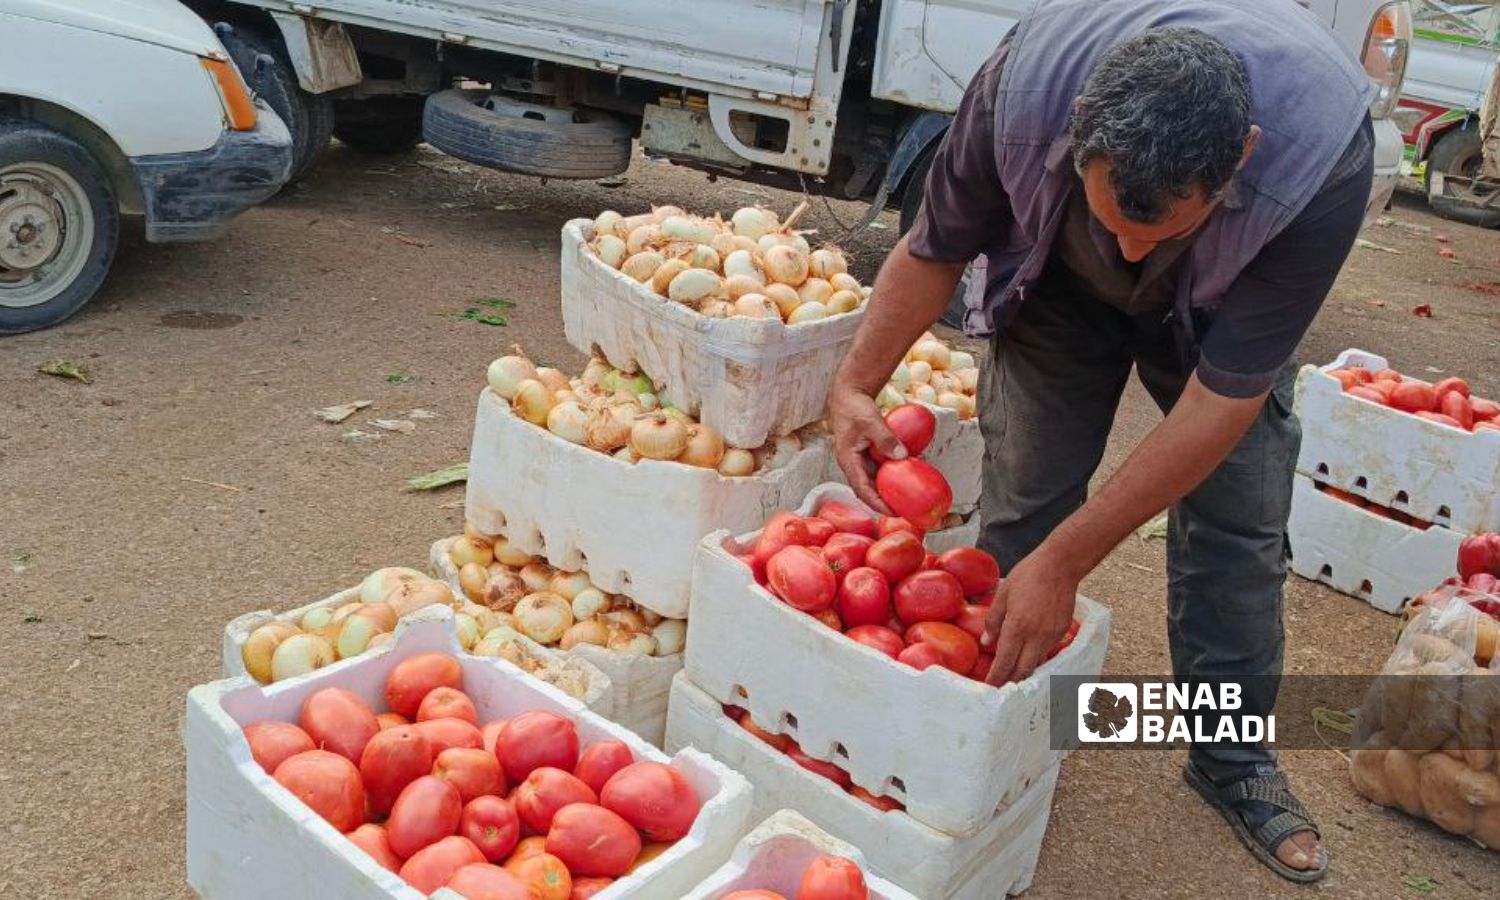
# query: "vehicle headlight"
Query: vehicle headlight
{"points": [[1387, 48], [239, 107]]}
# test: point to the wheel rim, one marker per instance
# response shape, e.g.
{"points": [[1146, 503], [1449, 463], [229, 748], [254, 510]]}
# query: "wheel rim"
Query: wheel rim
{"points": [[46, 230], [1468, 185]]}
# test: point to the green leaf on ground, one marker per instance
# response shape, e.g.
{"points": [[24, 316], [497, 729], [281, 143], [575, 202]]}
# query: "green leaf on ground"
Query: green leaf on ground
{"points": [[21, 563], [1421, 883], [31, 619], [1156, 528], [401, 378], [66, 368], [431, 481], [498, 302]]}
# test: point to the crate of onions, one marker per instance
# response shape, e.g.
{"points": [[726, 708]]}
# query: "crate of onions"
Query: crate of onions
{"points": [[637, 650], [416, 768], [787, 857], [741, 322], [595, 474]]}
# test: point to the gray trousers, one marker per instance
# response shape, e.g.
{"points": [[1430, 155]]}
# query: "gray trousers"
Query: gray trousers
{"points": [[1047, 404]]}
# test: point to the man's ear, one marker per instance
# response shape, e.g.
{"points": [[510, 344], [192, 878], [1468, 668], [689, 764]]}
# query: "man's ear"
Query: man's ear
{"points": [[1251, 140]]}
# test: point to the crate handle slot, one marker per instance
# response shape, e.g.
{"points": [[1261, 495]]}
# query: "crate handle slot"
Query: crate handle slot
{"points": [[1361, 483], [1322, 468], [1444, 515], [1365, 587], [1402, 499]]}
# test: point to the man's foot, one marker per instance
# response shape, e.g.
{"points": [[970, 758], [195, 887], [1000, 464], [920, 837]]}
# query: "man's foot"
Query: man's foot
{"points": [[1258, 804]]}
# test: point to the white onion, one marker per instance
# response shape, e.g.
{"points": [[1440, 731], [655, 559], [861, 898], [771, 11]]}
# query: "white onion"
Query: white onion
{"points": [[625, 454], [889, 398], [661, 212], [714, 308], [626, 619], [502, 590], [737, 463], [466, 550], [506, 632], [702, 256], [922, 393], [629, 224], [355, 636], [815, 290], [315, 619], [345, 611], [784, 296], [737, 286], [951, 400], [740, 262], [544, 617], [757, 306], [669, 270], [724, 244], [606, 222], [605, 430], [533, 401], [921, 371], [695, 286], [471, 580], [643, 238], [590, 602], [556, 380], [670, 635], [300, 654], [753, 221], [968, 379], [785, 265], [509, 554], [934, 353], [537, 576], [843, 301], [466, 628], [506, 374], [261, 645], [491, 618], [590, 632], [568, 420], [799, 243], [649, 401], [415, 595], [958, 359], [825, 262], [685, 228], [379, 584], [658, 436], [743, 243], [632, 643], [843, 281], [594, 372], [704, 448], [900, 376], [968, 407], [641, 266], [611, 250], [807, 312], [568, 585]]}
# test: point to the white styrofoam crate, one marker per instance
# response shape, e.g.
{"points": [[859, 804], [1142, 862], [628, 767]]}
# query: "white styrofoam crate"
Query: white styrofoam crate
{"points": [[632, 527], [748, 378], [1431, 471], [639, 685], [957, 451], [247, 837], [599, 692], [774, 856], [997, 859], [833, 695], [1356, 552]]}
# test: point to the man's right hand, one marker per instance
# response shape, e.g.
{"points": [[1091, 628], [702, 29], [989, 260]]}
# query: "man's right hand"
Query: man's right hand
{"points": [[858, 426]]}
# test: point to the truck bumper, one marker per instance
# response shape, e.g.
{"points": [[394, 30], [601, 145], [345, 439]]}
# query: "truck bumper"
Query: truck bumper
{"points": [[1388, 150], [193, 196]]}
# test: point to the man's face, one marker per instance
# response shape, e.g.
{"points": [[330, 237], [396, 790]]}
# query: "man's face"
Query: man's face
{"points": [[1184, 215]]}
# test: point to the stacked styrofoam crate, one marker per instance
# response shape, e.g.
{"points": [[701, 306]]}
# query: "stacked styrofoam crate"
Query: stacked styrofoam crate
{"points": [[249, 837], [1431, 472]]}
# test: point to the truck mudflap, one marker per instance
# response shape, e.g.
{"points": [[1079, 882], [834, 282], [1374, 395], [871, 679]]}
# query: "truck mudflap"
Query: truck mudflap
{"points": [[193, 196]]}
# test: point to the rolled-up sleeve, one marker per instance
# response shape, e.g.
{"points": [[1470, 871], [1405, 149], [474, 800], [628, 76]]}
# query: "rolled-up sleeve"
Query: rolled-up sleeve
{"points": [[964, 206]]}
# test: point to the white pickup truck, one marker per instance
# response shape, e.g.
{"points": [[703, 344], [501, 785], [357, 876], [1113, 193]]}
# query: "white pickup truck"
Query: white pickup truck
{"points": [[844, 98]]}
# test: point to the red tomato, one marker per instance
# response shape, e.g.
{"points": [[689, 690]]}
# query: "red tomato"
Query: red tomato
{"points": [[913, 424], [1412, 396], [1064, 641], [1484, 410], [930, 561], [371, 838], [340, 721], [491, 733], [891, 524], [584, 888], [1388, 375], [492, 824], [474, 772], [884, 804], [1440, 418], [547, 790], [1365, 392], [929, 596], [428, 810], [434, 865], [1346, 378], [785, 529], [830, 618], [273, 743], [600, 761], [527, 848], [921, 656], [655, 798], [896, 555], [864, 598], [756, 894], [328, 783], [756, 566], [537, 738], [445, 733], [915, 491], [1479, 553], [849, 519], [1487, 425], [958, 648], [802, 579], [1483, 582], [482, 881], [393, 759], [880, 637], [544, 874], [1383, 388], [981, 670], [819, 531], [844, 552], [391, 720], [832, 878], [414, 676], [778, 741], [592, 841], [819, 767], [1450, 386], [447, 703], [972, 619], [1456, 406], [976, 571]]}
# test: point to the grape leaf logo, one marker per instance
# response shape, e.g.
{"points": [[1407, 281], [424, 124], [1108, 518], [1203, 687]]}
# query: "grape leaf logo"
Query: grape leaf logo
{"points": [[1108, 714]]}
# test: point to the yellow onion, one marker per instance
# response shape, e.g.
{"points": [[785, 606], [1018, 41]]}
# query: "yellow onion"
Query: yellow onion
{"points": [[606, 222], [815, 290], [705, 447], [415, 595], [590, 632], [631, 643], [502, 591], [951, 400], [687, 228], [825, 262], [934, 353], [625, 454], [737, 463], [807, 312], [922, 393], [379, 584], [345, 611], [355, 635], [784, 296], [472, 579], [658, 436], [753, 222], [567, 585], [466, 550], [670, 635], [538, 576], [261, 645], [920, 371], [723, 244], [568, 420], [641, 266], [757, 306], [889, 398], [607, 429], [662, 280], [742, 262], [314, 619], [508, 553], [624, 619], [777, 452], [610, 250], [900, 376], [715, 308], [506, 374], [695, 286], [958, 359], [382, 614], [843, 281], [590, 602], [643, 238], [968, 407], [594, 372], [474, 534], [737, 286], [843, 301], [702, 256], [785, 265], [380, 640], [968, 380], [544, 617], [300, 654]]}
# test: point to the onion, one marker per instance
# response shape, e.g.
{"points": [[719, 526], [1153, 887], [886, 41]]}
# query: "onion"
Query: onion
{"points": [[379, 584], [753, 221], [569, 584], [900, 376], [490, 619], [695, 286], [380, 640], [737, 286], [472, 579], [785, 265], [743, 243], [757, 306], [631, 384], [466, 550], [632, 643], [629, 224], [737, 463], [815, 290], [474, 534], [355, 635], [538, 577], [784, 296], [625, 454], [723, 244], [502, 591], [921, 372], [594, 372], [624, 620], [968, 380], [702, 256], [590, 632], [687, 228], [843, 281], [934, 353], [825, 262], [419, 595], [922, 393], [641, 266], [345, 611], [669, 270], [649, 401], [507, 632], [843, 301], [716, 309], [741, 262], [670, 635], [568, 420], [705, 447], [590, 602], [951, 400], [889, 398], [506, 374], [608, 429], [510, 554], [677, 414], [925, 336], [533, 401], [261, 645], [661, 212], [968, 407], [606, 222], [610, 250], [544, 617], [651, 618], [502, 646], [807, 312], [658, 436], [315, 619], [300, 654], [958, 359], [643, 238], [777, 452]]}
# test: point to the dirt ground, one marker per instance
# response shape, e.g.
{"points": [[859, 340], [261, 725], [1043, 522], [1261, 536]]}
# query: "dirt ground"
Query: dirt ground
{"points": [[190, 483]]}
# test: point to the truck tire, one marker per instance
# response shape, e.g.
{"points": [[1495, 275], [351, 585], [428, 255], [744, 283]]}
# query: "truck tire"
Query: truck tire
{"points": [[911, 204], [59, 225], [1460, 152], [264, 65], [592, 145], [379, 125]]}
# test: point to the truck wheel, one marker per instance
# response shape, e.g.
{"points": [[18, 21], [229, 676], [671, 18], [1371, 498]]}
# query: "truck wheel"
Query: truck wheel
{"points": [[58, 226], [1460, 152], [379, 124], [526, 138], [267, 71], [911, 204]]}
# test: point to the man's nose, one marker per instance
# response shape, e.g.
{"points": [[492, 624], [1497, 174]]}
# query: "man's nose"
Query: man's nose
{"points": [[1135, 251]]}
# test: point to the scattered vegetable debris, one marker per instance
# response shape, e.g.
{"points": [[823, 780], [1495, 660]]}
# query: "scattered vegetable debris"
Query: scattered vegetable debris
{"points": [[431, 481], [341, 411], [1424, 311], [66, 368], [400, 378]]}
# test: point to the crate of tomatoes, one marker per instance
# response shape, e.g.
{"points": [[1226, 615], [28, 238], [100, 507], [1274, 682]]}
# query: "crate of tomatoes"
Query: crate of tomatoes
{"points": [[415, 767], [1428, 449]]}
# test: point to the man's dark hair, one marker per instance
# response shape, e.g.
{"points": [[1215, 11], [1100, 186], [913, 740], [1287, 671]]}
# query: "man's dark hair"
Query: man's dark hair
{"points": [[1170, 110]]}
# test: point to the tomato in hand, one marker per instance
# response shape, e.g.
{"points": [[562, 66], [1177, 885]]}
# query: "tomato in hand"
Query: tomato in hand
{"points": [[471, 770], [492, 824], [447, 703], [959, 649], [832, 878], [434, 865], [914, 490], [328, 783], [482, 881], [849, 519], [372, 839], [592, 841], [928, 596], [414, 676], [976, 571], [879, 637], [547, 790], [1064, 641], [844, 552], [798, 576], [428, 810], [913, 425], [393, 759], [981, 670], [896, 555], [655, 798], [600, 761], [273, 743], [339, 721], [537, 738], [864, 598]]}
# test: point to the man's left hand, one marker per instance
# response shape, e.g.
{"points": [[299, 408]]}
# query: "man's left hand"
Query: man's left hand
{"points": [[1031, 612]]}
